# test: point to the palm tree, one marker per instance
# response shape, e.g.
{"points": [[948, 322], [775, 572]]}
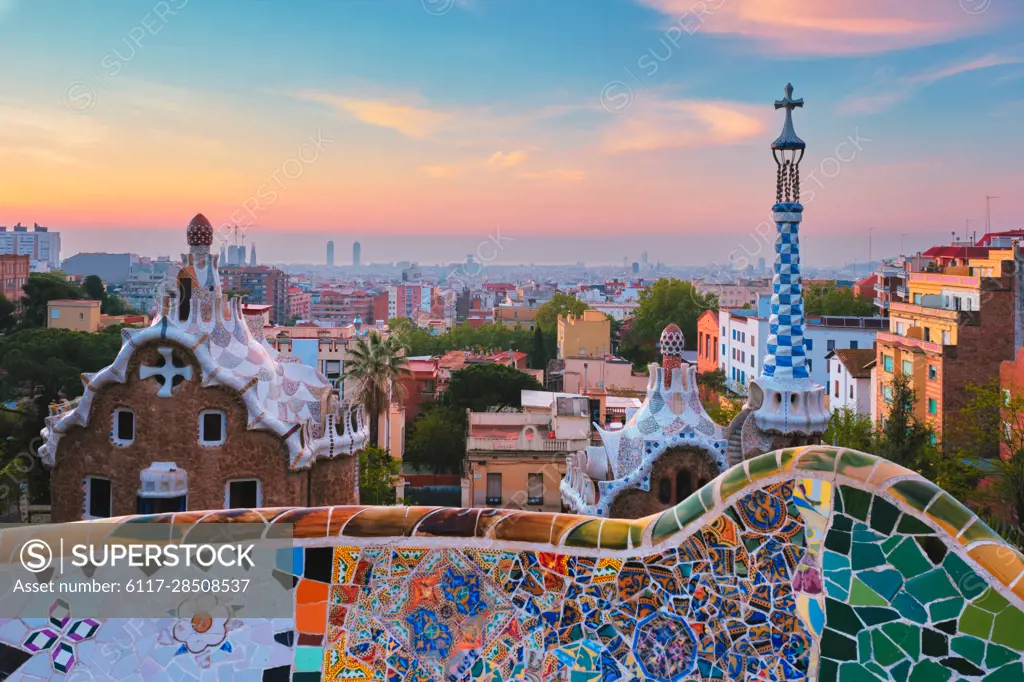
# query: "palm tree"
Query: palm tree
{"points": [[376, 364]]}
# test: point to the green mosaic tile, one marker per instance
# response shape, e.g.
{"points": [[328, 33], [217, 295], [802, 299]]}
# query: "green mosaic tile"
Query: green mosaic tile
{"points": [[890, 543], [886, 582], [884, 515], [906, 637], [969, 583], [962, 666], [930, 586], [762, 466], [732, 482], [915, 492], [838, 646], [852, 672], [908, 559], [874, 615], [838, 541], [877, 670], [862, 595], [819, 459], [929, 671], [946, 609], [946, 509], [909, 525], [832, 561], [585, 534], [886, 652], [979, 531], [665, 526], [866, 555], [1014, 672], [976, 622], [991, 601], [934, 643], [841, 578], [851, 459], [996, 655], [864, 653], [707, 495], [971, 648], [856, 502], [1009, 629], [615, 534], [828, 671], [786, 458], [862, 534], [842, 617], [901, 672], [841, 521], [689, 510], [836, 590], [934, 548], [910, 608]]}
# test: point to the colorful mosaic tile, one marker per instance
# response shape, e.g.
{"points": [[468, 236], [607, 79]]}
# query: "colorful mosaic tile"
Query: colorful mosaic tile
{"points": [[806, 574]]}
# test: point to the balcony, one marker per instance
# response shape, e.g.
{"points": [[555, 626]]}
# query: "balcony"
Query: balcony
{"points": [[536, 444], [902, 291], [882, 303]]}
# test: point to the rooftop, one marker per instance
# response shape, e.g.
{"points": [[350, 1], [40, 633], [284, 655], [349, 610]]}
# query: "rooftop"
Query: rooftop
{"points": [[856, 360]]}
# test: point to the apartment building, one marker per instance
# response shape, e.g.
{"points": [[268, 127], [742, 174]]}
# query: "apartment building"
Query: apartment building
{"points": [[849, 379], [589, 336], [521, 315], [341, 307], [14, 271], [736, 294], [962, 319], [707, 341], [41, 245], [264, 284]]}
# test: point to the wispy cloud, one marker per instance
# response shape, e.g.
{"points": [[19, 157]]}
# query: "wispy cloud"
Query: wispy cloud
{"points": [[441, 172], [503, 160], [888, 90], [408, 119], [565, 174], [653, 124], [835, 27]]}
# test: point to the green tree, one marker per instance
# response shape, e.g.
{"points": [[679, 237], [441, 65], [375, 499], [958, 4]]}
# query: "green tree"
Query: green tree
{"points": [[437, 440], [712, 383], [376, 365], [400, 325], [665, 302], [904, 438], [481, 387], [850, 429], [40, 289], [378, 476], [7, 318], [829, 299], [93, 287], [559, 304], [539, 353]]}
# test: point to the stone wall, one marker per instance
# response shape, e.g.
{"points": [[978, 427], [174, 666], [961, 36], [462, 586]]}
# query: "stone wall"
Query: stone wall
{"points": [[806, 564], [167, 430]]}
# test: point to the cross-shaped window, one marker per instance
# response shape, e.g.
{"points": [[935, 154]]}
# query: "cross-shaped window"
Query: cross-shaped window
{"points": [[167, 373]]}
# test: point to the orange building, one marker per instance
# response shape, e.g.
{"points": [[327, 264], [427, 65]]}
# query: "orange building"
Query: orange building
{"points": [[958, 327], [14, 271], [1011, 381], [707, 342]]}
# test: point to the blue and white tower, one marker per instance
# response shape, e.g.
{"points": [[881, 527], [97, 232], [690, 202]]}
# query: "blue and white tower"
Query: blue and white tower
{"points": [[784, 400]]}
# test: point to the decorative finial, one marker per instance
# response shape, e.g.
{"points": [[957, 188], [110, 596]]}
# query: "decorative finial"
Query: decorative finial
{"points": [[788, 139]]}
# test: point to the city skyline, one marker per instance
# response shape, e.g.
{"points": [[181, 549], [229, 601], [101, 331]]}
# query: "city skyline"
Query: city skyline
{"points": [[645, 118]]}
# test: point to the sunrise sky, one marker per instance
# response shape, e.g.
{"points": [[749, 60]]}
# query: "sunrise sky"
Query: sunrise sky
{"points": [[545, 117]]}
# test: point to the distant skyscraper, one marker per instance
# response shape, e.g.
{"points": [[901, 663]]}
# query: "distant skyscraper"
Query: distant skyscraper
{"points": [[252, 255], [356, 249], [762, 270], [636, 267], [330, 254], [643, 258]]}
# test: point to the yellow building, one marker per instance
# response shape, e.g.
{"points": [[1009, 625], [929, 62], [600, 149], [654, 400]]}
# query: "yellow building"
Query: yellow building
{"points": [[517, 315], [589, 336], [517, 460], [78, 316]]}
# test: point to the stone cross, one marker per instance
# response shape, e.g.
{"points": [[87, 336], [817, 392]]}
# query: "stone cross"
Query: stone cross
{"points": [[788, 102], [167, 370]]}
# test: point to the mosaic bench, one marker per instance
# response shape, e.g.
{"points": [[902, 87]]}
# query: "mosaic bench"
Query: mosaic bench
{"points": [[806, 564]]}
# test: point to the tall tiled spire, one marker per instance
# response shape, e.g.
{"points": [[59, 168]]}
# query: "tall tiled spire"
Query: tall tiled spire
{"points": [[784, 398]]}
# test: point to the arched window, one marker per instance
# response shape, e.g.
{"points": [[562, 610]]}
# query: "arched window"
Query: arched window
{"points": [[684, 485], [185, 297], [665, 491]]}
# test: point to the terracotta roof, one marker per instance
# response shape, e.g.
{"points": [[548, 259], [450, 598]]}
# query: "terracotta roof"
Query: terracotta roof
{"points": [[956, 252], [856, 360]]}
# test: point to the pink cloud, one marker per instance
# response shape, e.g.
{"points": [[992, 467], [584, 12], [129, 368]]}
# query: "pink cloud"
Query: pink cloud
{"points": [[830, 27], [673, 124]]}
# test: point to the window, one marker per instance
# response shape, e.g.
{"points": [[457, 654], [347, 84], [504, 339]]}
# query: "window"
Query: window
{"points": [[664, 491], [830, 344], [332, 369], [752, 360], [933, 438], [124, 426], [1006, 397], [55, 314], [908, 367], [535, 489], [887, 393], [853, 345], [243, 494], [836, 382], [723, 349], [493, 488], [752, 337], [851, 391], [160, 505], [917, 299], [933, 372], [212, 427], [809, 344], [887, 363], [899, 328], [927, 334], [98, 498], [933, 406], [81, 316], [946, 338]]}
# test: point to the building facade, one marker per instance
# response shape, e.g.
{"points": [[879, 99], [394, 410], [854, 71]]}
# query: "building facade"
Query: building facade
{"points": [[589, 336], [112, 268], [264, 284], [521, 315], [14, 272], [343, 307], [736, 294], [75, 315], [849, 379], [707, 341], [41, 245], [299, 304], [201, 403]]}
